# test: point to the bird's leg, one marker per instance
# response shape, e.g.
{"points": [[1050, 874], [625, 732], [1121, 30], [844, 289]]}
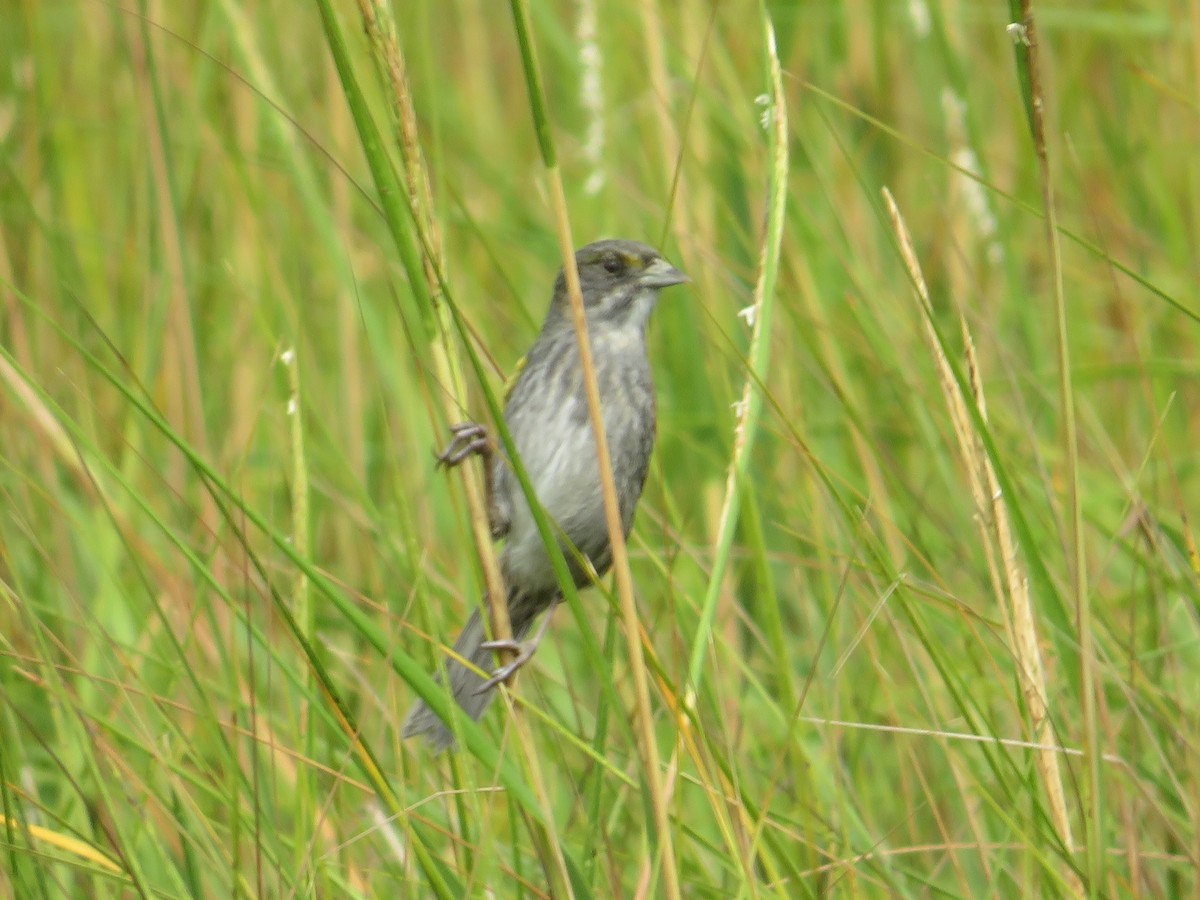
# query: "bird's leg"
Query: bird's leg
{"points": [[524, 651], [471, 439]]}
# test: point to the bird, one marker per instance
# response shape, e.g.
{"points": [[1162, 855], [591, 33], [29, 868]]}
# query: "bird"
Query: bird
{"points": [[546, 414]]}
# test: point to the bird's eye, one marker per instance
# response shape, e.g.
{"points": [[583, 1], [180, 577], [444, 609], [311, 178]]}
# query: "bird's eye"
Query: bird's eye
{"points": [[613, 264]]}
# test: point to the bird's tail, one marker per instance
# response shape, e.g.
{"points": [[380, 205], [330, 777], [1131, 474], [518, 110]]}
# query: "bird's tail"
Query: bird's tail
{"points": [[465, 681]]}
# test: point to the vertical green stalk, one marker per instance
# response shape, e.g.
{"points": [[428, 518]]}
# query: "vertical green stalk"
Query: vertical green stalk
{"points": [[302, 603], [749, 408]]}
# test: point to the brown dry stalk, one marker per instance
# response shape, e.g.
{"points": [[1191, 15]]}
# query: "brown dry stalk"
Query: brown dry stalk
{"points": [[377, 24]]}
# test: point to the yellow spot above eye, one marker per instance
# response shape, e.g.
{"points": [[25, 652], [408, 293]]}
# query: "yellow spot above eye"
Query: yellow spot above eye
{"points": [[633, 261]]}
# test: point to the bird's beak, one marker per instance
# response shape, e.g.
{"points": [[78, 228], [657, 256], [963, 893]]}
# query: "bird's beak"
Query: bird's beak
{"points": [[661, 274]]}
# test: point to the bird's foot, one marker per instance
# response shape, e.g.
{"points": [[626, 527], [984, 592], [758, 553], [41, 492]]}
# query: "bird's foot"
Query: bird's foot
{"points": [[524, 651], [468, 439]]}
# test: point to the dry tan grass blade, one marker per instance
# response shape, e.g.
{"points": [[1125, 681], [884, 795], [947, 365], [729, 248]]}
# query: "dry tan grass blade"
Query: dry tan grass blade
{"points": [[1009, 579]]}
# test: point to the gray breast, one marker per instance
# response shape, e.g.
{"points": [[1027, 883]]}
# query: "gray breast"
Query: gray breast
{"points": [[547, 416]]}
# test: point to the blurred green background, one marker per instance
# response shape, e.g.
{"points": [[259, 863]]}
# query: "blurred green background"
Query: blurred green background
{"points": [[184, 197]]}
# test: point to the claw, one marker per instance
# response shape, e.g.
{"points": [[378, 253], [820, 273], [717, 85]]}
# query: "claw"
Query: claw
{"points": [[523, 649], [469, 438]]}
